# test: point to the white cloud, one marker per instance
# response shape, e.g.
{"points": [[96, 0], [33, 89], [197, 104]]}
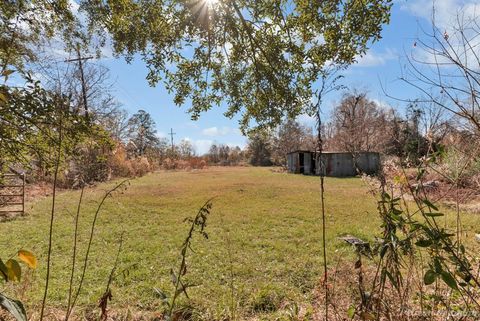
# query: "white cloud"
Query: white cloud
{"points": [[233, 145], [201, 145], [373, 59], [382, 104], [444, 12], [216, 131], [456, 21]]}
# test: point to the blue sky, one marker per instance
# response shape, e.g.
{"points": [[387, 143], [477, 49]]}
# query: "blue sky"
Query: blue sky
{"points": [[380, 67]]}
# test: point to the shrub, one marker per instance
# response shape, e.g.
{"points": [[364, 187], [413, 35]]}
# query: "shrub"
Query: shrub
{"points": [[118, 163], [89, 163], [461, 168], [181, 164], [141, 166]]}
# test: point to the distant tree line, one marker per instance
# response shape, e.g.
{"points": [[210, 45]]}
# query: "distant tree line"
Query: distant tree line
{"points": [[358, 123]]}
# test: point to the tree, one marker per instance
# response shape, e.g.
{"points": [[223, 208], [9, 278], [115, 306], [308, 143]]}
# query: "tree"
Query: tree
{"points": [[395, 138], [443, 66], [29, 114], [223, 154], [359, 124], [415, 144], [104, 109], [213, 155], [260, 58], [290, 136], [186, 149], [433, 122], [235, 156], [259, 149], [114, 119], [26, 25], [142, 133]]}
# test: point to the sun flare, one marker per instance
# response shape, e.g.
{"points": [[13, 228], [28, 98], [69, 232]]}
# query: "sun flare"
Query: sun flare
{"points": [[211, 3]]}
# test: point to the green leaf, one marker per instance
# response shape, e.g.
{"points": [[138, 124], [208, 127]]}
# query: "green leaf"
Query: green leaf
{"points": [[424, 243], [429, 204], [159, 293], [383, 250], [351, 312], [434, 214], [392, 280], [449, 280], [437, 265], [429, 277], [15, 308], [14, 272]]}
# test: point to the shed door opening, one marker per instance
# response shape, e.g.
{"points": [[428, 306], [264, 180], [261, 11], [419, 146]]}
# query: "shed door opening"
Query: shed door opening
{"points": [[313, 164], [302, 163]]}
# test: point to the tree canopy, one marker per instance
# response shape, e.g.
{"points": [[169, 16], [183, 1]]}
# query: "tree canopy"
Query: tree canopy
{"points": [[259, 58], [142, 132]]}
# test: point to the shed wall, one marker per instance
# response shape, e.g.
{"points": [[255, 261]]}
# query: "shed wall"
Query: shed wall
{"points": [[344, 164], [307, 163], [293, 163], [334, 164]]}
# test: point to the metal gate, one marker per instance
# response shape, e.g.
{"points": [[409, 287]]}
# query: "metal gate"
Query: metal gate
{"points": [[12, 194]]}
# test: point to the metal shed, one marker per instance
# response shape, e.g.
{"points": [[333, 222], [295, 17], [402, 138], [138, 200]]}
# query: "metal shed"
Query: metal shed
{"points": [[301, 162], [338, 164]]}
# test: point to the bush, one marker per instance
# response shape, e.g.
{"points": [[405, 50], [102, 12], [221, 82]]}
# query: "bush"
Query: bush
{"points": [[181, 164], [461, 168], [118, 163], [141, 166], [89, 164]]}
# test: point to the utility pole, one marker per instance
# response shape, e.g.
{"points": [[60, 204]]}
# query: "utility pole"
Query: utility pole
{"points": [[80, 60], [171, 137]]}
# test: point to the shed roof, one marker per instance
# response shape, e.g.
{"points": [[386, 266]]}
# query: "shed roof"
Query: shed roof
{"points": [[328, 152], [300, 151]]}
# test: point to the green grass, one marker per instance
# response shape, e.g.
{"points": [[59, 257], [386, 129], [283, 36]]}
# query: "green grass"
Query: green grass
{"points": [[268, 223]]}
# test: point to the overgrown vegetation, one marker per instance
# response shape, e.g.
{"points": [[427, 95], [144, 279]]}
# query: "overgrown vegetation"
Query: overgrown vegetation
{"points": [[66, 128]]}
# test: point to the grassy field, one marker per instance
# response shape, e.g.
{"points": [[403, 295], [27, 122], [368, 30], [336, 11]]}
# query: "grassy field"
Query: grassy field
{"points": [[264, 227]]}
